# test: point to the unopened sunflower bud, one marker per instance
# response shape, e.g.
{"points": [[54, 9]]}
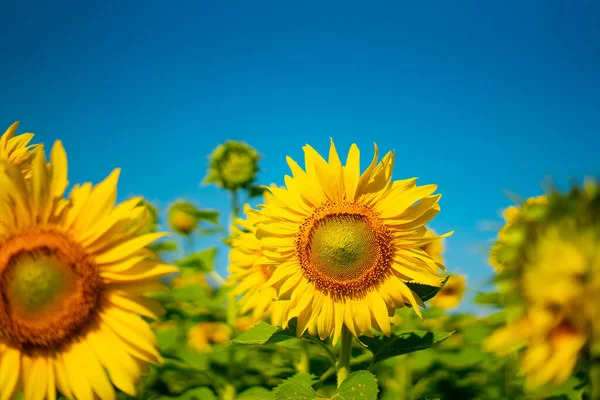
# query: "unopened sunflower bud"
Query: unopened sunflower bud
{"points": [[183, 217], [233, 165]]}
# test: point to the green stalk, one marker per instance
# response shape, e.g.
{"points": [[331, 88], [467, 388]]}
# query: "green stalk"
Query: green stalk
{"points": [[343, 363], [303, 364], [231, 309], [402, 373]]}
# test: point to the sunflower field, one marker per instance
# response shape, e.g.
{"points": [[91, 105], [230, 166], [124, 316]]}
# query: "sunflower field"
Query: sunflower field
{"points": [[337, 289]]}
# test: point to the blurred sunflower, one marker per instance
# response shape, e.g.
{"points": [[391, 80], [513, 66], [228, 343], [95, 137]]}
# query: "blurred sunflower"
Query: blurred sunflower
{"points": [[71, 277], [247, 274], [204, 334], [451, 294], [343, 244], [500, 253], [551, 344], [183, 217], [551, 266], [17, 150], [233, 165]]}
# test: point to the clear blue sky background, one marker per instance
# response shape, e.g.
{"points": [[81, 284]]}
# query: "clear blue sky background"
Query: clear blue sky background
{"points": [[475, 96]]}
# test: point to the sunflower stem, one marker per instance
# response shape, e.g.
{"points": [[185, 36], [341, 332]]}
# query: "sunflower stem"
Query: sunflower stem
{"points": [[343, 364], [303, 364], [231, 306]]}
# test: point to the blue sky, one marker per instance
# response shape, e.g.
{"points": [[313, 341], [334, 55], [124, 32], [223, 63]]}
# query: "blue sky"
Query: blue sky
{"points": [[477, 97]]}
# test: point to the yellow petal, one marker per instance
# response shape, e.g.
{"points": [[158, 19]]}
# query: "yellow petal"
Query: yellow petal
{"points": [[78, 382], [352, 172], [10, 368], [136, 304], [58, 162], [128, 248], [36, 384]]}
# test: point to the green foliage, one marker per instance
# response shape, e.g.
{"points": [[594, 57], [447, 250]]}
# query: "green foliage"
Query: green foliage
{"points": [[264, 333], [384, 347], [202, 261], [426, 292], [360, 385], [488, 299]]}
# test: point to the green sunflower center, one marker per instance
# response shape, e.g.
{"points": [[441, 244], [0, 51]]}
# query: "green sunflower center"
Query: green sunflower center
{"points": [[37, 283], [343, 247], [238, 168]]}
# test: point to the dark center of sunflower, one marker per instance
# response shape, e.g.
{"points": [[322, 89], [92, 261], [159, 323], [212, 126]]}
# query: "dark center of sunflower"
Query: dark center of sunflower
{"points": [[48, 290], [344, 249]]}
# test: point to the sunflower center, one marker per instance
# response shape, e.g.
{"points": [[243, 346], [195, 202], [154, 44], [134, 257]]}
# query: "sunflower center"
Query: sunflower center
{"points": [[344, 248], [238, 167], [48, 289], [37, 283]]}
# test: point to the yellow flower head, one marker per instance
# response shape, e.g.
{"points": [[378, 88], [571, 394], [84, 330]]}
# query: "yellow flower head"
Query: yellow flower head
{"points": [[557, 267], [343, 244], [183, 217], [435, 248], [452, 293], [204, 334], [72, 272], [17, 150], [531, 208], [551, 344], [247, 273], [233, 165], [550, 254]]}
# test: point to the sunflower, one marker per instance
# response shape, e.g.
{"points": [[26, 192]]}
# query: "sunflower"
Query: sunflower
{"points": [[183, 217], [343, 244], [550, 277], [531, 208], [233, 165], [451, 294], [72, 272], [17, 150], [204, 334], [551, 344], [247, 274]]}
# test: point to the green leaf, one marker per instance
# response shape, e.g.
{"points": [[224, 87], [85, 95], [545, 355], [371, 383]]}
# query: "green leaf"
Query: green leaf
{"points": [[207, 215], [164, 246], [202, 260], [201, 393], [296, 390], [264, 333], [384, 347], [168, 336], [426, 292], [190, 293], [360, 385], [256, 191], [255, 393], [489, 298], [179, 377], [308, 378]]}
